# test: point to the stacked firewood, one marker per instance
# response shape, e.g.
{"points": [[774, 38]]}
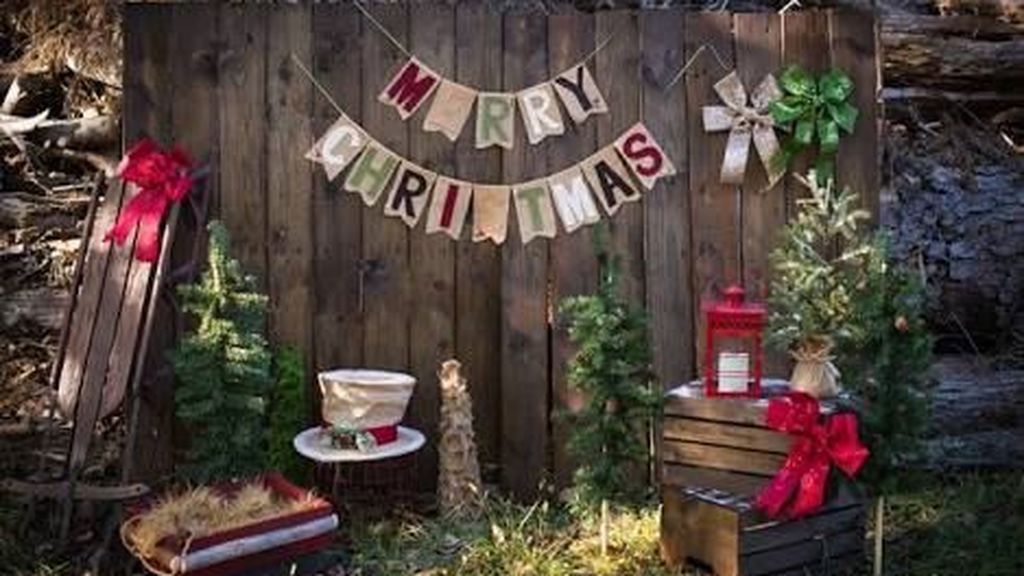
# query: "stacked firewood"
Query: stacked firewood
{"points": [[59, 130]]}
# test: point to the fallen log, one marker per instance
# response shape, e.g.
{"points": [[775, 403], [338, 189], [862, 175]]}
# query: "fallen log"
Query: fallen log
{"points": [[44, 306], [95, 133], [956, 54]]}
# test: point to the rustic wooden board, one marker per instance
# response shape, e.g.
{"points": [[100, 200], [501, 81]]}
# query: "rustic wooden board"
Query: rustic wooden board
{"points": [[667, 208], [617, 73], [88, 300], [148, 100], [574, 269], [854, 41], [832, 520], [337, 215], [671, 543], [733, 541], [289, 179], [431, 256], [722, 458], [668, 252], [524, 275], [758, 53], [90, 393], [718, 409], [726, 434], [704, 532], [478, 265], [714, 207], [387, 281], [806, 554], [243, 132], [728, 480], [805, 41]]}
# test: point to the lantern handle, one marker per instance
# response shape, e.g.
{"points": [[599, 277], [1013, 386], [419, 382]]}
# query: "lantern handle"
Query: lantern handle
{"points": [[734, 296]]}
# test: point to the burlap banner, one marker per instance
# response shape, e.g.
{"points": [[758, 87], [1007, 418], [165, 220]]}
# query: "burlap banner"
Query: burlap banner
{"points": [[540, 106], [615, 174], [533, 210]]}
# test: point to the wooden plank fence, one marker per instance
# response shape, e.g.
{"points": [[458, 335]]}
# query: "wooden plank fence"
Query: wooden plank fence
{"points": [[351, 287]]}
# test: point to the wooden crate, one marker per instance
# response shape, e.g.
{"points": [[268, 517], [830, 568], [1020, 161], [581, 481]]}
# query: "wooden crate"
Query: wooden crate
{"points": [[722, 532], [721, 442]]}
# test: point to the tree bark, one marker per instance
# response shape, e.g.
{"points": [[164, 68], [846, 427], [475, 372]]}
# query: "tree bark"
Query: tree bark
{"points": [[958, 54]]}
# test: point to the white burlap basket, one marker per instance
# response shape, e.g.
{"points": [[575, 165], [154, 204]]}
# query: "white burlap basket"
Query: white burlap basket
{"points": [[364, 398]]}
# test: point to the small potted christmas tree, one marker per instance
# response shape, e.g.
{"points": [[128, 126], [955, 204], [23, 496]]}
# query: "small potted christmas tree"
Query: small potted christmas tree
{"points": [[817, 269]]}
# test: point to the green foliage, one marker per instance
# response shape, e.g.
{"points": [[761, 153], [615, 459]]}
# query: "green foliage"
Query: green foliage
{"points": [[832, 282], [223, 369], [288, 415], [818, 268], [886, 364], [814, 110], [612, 369]]}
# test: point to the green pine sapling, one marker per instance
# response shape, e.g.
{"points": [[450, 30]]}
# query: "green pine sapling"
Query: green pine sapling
{"points": [[817, 268], [612, 369], [223, 369], [886, 364], [288, 415]]}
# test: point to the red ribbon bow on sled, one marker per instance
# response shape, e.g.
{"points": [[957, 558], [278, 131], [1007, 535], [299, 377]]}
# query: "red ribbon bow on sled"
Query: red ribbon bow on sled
{"points": [[816, 447], [162, 178]]}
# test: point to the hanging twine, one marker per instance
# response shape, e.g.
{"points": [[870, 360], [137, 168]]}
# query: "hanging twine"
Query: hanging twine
{"points": [[401, 47], [700, 50], [316, 84]]}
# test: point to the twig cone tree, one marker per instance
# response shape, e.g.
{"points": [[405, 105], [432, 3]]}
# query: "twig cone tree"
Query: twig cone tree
{"points": [[459, 489]]}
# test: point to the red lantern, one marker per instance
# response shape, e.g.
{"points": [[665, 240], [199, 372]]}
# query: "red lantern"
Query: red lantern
{"points": [[733, 354]]}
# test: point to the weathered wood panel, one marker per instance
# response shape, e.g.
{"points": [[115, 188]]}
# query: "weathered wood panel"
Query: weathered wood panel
{"points": [[337, 215], [616, 70], [805, 42], [350, 286], [714, 207], [668, 251], [524, 277], [478, 264], [431, 256], [573, 260], [758, 53], [289, 179], [386, 280], [243, 134], [854, 41], [148, 98]]}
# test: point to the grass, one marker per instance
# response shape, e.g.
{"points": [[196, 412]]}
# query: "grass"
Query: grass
{"points": [[936, 525], [954, 524], [957, 524], [537, 540]]}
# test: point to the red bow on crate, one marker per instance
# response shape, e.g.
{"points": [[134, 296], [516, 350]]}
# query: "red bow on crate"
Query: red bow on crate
{"points": [[798, 488], [162, 178]]}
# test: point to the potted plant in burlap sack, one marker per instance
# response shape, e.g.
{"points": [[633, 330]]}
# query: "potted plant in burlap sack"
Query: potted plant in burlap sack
{"points": [[818, 268]]}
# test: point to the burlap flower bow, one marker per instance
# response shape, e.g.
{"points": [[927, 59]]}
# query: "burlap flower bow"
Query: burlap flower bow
{"points": [[744, 121]]}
